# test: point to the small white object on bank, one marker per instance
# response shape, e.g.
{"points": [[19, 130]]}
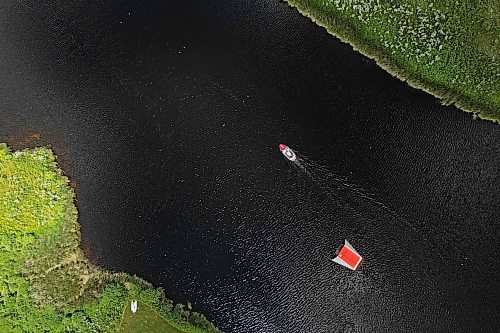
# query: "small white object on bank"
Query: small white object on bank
{"points": [[133, 306]]}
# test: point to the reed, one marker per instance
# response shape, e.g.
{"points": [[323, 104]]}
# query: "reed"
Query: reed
{"points": [[450, 49]]}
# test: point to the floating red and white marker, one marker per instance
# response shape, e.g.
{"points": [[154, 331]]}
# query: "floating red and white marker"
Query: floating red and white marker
{"points": [[348, 257]]}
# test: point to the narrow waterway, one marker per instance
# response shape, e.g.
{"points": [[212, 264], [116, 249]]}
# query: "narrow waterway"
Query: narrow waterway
{"points": [[167, 115]]}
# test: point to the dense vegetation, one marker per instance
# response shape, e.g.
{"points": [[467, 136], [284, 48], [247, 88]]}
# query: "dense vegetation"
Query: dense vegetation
{"points": [[46, 283], [449, 48]]}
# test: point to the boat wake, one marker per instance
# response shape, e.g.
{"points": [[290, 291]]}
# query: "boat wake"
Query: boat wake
{"points": [[361, 205], [350, 195]]}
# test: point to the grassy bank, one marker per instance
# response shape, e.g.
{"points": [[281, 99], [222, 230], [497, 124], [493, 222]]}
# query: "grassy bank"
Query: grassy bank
{"points": [[149, 321], [448, 48], [47, 285]]}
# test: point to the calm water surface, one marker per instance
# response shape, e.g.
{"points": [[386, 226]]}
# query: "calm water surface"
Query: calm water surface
{"points": [[166, 115]]}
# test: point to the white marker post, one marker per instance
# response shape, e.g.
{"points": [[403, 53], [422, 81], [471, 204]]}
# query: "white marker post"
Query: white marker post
{"points": [[133, 306]]}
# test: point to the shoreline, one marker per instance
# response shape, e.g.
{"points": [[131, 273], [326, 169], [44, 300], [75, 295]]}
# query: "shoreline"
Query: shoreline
{"points": [[371, 51], [49, 269]]}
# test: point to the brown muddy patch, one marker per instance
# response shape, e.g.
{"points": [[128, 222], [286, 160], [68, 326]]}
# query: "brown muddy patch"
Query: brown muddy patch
{"points": [[90, 255], [26, 140]]}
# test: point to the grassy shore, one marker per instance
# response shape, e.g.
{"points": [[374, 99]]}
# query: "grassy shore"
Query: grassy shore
{"points": [[448, 48], [148, 321], [46, 284]]}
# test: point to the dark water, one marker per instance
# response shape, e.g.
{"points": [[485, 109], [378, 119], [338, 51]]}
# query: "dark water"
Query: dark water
{"points": [[167, 116]]}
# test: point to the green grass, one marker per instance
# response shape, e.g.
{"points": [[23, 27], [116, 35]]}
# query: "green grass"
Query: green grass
{"points": [[146, 319], [446, 47], [46, 283]]}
